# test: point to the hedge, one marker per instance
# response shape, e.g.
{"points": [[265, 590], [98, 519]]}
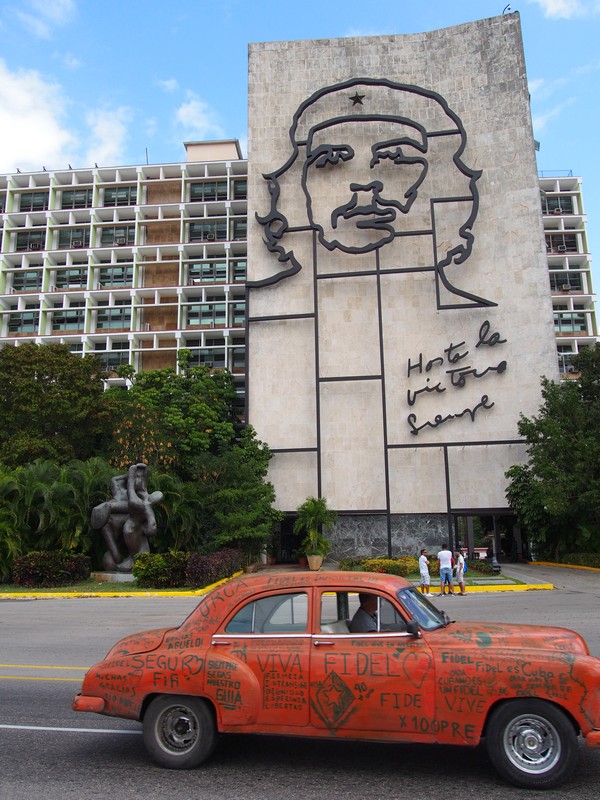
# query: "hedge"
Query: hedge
{"points": [[46, 569]]}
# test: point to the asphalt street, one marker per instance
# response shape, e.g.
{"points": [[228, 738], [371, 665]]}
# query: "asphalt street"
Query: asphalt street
{"points": [[49, 752]]}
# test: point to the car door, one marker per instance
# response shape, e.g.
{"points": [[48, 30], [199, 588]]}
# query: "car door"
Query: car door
{"points": [[257, 672], [379, 681]]}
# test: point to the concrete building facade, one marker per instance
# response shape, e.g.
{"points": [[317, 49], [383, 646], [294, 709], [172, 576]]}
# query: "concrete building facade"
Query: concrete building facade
{"points": [[396, 268]]}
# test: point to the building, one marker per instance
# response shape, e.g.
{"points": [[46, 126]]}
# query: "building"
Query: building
{"points": [[131, 264], [388, 373], [398, 280], [569, 263]]}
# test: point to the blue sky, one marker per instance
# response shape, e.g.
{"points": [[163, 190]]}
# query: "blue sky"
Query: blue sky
{"points": [[123, 81]]}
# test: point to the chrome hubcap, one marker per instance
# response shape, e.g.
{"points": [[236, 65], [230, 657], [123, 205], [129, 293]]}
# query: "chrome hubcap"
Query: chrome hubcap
{"points": [[178, 729], [532, 744]]}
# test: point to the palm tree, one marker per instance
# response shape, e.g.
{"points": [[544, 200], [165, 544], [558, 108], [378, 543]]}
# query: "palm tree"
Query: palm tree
{"points": [[312, 518]]}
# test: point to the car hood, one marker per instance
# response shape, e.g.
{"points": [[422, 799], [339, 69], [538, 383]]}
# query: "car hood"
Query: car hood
{"points": [[143, 642], [507, 636]]}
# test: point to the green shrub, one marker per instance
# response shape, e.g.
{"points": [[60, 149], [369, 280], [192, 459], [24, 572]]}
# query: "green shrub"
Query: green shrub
{"points": [[160, 570], [202, 570], [351, 563], [45, 569], [392, 566], [178, 568], [582, 559]]}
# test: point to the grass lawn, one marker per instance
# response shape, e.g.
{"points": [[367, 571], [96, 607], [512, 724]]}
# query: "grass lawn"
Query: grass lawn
{"points": [[97, 587]]}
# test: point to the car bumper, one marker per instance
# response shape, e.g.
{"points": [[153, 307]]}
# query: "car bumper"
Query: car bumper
{"points": [[83, 703], [592, 739]]}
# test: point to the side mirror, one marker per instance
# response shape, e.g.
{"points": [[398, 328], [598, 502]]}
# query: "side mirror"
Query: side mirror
{"points": [[412, 627]]}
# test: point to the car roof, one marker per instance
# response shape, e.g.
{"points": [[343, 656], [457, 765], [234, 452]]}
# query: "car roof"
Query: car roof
{"points": [[339, 579]]}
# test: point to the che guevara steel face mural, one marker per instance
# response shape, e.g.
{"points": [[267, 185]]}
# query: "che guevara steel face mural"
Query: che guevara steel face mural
{"points": [[367, 173]]}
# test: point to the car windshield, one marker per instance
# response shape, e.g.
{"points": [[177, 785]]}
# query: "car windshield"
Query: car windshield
{"points": [[421, 610]]}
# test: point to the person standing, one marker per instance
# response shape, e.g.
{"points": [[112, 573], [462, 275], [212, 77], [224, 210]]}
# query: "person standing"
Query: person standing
{"points": [[445, 558], [460, 567], [424, 570]]}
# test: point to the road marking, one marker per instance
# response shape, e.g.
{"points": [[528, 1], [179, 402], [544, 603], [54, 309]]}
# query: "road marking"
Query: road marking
{"points": [[24, 678], [69, 730], [39, 666]]}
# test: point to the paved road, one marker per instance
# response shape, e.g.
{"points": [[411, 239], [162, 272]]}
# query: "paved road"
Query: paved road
{"points": [[44, 646]]}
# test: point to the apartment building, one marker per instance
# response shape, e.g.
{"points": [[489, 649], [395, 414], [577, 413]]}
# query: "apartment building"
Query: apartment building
{"points": [[569, 264], [131, 264]]}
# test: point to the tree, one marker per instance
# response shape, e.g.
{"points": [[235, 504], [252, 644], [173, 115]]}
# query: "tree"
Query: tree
{"points": [[556, 496], [314, 517], [51, 404], [166, 419]]}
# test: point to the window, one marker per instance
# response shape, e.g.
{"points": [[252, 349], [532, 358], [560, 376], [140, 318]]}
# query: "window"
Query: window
{"points": [[240, 189], [29, 281], [212, 358], [208, 230], [570, 323], [208, 272], [118, 317], [69, 319], [120, 196], [209, 315], [557, 205], [31, 240], [119, 235], [23, 322], [565, 282], [111, 359], [116, 276], [34, 201], [561, 243], [239, 271], [208, 190], [71, 278], [77, 198], [240, 229], [73, 238], [238, 313], [283, 613], [238, 359]]}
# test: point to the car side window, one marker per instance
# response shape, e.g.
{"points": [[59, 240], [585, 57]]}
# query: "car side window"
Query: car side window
{"points": [[281, 613]]}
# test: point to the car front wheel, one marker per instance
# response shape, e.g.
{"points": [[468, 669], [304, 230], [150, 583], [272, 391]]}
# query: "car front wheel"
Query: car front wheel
{"points": [[179, 732], [532, 743]]}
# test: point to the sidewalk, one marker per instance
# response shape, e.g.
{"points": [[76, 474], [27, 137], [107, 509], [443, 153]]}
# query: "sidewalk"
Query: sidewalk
{"points": [[533, 576]]}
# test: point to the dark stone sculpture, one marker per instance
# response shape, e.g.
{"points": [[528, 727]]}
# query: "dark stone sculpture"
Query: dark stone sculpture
{"points": [[127, 518]]}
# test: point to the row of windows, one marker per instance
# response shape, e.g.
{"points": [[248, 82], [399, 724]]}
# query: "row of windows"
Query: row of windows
{"points": [[566, 282], [561, 243], [557, 205], [127, 196], [117, 275], [119, 235]]}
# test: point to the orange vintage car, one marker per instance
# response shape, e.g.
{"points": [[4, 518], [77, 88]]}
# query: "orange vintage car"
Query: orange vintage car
{"points": [[297, 654]]}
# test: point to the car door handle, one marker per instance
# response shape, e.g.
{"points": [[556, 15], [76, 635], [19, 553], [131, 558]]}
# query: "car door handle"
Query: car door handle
{"points": [[319, 642], [216, 643]]}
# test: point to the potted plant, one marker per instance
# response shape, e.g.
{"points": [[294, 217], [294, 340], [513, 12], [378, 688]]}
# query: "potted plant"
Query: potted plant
{"points": [[312, 518]]}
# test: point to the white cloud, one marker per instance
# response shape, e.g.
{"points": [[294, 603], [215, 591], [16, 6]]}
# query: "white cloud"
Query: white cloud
{"points": [[540, 121], [542, 89], [568, 9], [32, 112], [169, 85], [197, 120], [109, 129], [40, 17]]}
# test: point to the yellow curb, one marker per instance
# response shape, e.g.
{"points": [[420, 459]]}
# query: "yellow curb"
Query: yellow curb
{"points": [[521, 587], [134, 593], [568, 566]]}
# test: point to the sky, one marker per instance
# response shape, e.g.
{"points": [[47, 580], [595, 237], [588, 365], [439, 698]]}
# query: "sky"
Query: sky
{"points": [[128, 81]]}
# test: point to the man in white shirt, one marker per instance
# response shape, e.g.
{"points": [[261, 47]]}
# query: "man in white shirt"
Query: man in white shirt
{"points": [[445, 559], [424, 570]]}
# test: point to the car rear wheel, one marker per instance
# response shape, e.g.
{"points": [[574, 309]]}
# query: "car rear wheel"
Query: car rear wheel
{"points": [[532, 743], [179, 732]]}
